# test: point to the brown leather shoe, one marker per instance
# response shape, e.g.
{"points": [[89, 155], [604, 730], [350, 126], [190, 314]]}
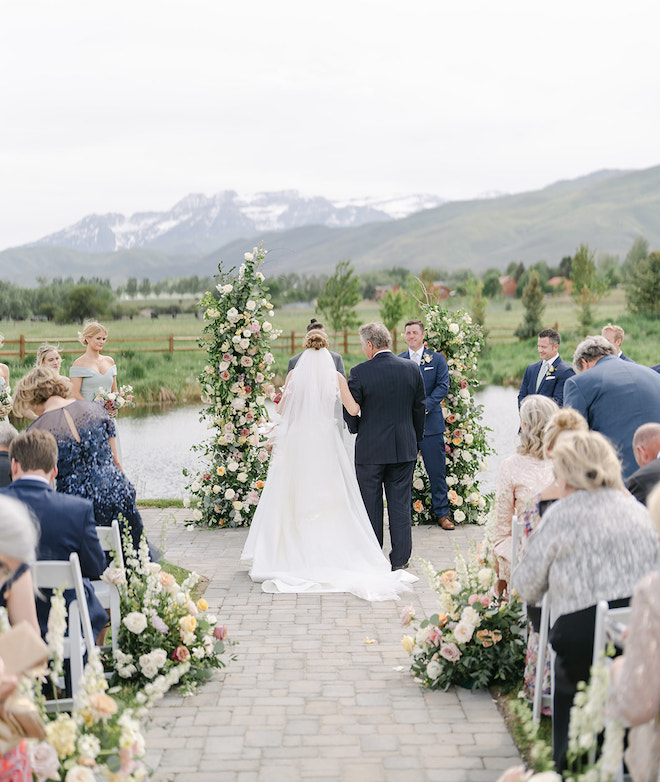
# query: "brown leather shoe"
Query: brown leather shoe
{"points": [[445, 522]]}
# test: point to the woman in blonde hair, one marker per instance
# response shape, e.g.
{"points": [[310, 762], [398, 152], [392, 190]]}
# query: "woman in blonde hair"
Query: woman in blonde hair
{"points": [[48, 356], [92, 371], [594, 543], [311, 532], [520, 477]]}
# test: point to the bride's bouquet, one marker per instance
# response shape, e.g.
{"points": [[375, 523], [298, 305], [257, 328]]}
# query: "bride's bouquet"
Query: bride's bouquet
{"points": [[5, 401], [113, 401]]}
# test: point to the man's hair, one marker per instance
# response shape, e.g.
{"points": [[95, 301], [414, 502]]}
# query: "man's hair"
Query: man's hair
{"points": [[551, 334], [7, 433], [646, 435], [377, 334], [314, 324], [415, 323], [591, 348], [618, 332], [35, 449]]}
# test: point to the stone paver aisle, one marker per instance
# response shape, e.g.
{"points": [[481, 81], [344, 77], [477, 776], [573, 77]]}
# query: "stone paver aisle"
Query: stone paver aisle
{"points": [[308, 698]]}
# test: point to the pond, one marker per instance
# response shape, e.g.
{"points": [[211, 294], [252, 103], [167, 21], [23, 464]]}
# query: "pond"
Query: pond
{"points": [[156, 443]]}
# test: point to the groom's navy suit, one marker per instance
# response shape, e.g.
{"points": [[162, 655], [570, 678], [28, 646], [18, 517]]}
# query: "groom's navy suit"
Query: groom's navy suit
{"points": [[390, 392], [552, 384], [67, 525]]}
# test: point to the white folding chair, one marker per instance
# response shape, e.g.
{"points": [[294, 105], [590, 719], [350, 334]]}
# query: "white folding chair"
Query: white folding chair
{"points": [[51, 574], [609, 626], [108, 594], [541, 700]]}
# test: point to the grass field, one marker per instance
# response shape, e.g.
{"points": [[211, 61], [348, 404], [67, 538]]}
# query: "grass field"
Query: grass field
{"points": [[140, 345]]}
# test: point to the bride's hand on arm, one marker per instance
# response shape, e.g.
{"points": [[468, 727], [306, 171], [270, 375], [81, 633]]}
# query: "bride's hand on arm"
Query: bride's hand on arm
{"points": [[352, 407]]}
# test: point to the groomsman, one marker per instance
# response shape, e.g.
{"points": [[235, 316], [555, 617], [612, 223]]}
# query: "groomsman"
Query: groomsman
{"points": [[390, 392], [435, 375], [614, 335], [547, 376]]}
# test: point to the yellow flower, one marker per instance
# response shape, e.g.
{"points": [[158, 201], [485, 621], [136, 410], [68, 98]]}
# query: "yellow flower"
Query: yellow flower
{"points": [[408, 643], [61, 734], [220, 470], [202, 604], [188, 623]]}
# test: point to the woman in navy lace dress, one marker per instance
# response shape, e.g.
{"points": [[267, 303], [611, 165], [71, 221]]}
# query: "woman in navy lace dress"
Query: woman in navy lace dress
{"points": [[88, 464]]}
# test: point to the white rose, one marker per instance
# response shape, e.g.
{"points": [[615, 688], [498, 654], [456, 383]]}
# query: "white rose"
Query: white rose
{"points": [[230, 494], [135, 622], [238, 505], [451, 480], [242, 477], [251, 305], [459, 515], [247, 257], [197, 514], [79, 774], [238, 403], [466, 455], [453, 327], [482, 503], [423, 635], [267, 326], [470, 616], [433, 669], [469, 439], [223, 365], [464, 394], [463, 632], [228, 288], [232, 466], [232, 315], [418, 484]]}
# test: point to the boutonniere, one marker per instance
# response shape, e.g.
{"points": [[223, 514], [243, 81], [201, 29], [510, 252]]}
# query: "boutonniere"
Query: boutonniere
{"points": [[551, 370], [427, 357]]}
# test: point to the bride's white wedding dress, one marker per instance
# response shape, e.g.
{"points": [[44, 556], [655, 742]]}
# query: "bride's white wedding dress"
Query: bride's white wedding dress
{"points": [[311, 532]]}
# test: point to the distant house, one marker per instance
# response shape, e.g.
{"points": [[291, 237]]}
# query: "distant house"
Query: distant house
{"points": [[439, 290], [509, 285], [560, 284], [381, 290]]}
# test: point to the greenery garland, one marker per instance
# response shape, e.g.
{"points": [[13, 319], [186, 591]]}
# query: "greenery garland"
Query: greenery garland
{"points": [[235, 384], [466, 446]]}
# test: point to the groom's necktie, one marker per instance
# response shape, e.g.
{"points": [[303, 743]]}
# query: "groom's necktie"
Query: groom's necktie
{"points": [[416, 356], [541, 374]]}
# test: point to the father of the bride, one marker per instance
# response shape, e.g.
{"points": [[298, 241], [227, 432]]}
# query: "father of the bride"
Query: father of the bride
{"points": [[390, 392]]}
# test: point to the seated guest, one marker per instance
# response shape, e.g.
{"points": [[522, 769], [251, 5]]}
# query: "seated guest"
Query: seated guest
{"points": [[635, 684], [521, 476], [18, 540], [595, 543], [7, 434], [67, 523], [646, 447]]}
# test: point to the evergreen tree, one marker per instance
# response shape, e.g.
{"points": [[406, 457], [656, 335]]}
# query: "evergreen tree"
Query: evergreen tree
{"points": [[532, 299], [392, 308], [341, 294], [643, 288], [586, 288]]}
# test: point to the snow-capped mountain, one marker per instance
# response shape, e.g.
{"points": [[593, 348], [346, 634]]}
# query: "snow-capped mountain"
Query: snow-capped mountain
{"points": [[200, 224]]}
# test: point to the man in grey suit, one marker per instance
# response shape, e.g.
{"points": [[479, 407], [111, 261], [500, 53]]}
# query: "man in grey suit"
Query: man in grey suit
{"points": [[646, 446], [616, 397], [390, 392], [339, 361]]}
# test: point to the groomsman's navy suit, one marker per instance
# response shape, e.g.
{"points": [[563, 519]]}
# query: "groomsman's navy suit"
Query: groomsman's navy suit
{"points": [[552, 384], [67, 525], [435, 374], [390, 392], [616, 397]]}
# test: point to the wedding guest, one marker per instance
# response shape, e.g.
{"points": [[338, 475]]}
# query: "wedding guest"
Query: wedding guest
{"points": [[435, 373], [18, 543], [7, 434], [614, 335], [564, 420], [521, 476], [616, 397], [4, 377], [635, 682], [92, 371], [646, 447], [547, 376], [338, 360], [595, 543], [67, 523], [88, 464], [48, 356]]}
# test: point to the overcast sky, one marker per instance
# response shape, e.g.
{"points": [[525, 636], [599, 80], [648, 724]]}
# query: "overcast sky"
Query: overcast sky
{"points": [[129, 106]]}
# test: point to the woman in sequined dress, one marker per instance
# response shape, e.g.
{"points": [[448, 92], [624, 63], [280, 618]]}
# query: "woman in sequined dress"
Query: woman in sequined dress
{"points": [[88, 463]]}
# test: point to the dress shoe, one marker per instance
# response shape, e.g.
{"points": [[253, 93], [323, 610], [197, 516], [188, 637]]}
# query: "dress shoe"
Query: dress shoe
{"points": [[445, 522], [399, 567]]}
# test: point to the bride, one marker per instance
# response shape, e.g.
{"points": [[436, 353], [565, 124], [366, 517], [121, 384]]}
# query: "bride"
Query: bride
{"points": [[311, 532]]}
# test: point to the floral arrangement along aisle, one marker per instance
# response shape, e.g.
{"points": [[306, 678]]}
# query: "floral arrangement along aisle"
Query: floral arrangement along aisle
{"points": [[235, 384], [466, 446], [476, 638], [166, 637]]}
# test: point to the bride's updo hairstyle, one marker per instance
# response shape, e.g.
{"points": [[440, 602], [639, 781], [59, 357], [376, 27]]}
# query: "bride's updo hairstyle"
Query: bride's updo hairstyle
{"points": [[37, 387], [586, 460], [565, 420], [91, 330], [315, 340], [535, 412]]}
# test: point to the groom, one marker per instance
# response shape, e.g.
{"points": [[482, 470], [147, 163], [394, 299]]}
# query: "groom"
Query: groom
{"points": [[390, 392]]}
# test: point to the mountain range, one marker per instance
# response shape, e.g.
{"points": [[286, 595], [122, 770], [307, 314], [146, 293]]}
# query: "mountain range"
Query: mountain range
{"points": [[607, 210]]}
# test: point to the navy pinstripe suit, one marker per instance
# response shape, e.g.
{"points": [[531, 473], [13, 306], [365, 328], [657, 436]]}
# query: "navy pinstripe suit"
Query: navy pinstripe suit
{"points": [[390, 392]]}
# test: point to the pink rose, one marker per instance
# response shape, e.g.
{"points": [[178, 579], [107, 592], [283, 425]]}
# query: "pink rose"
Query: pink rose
{"points": [[181, 654], [220, 632], [226, 357], [436, 636], [225, 375], [450, 652], [463, 383], [44, 761], [407, 615]]}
